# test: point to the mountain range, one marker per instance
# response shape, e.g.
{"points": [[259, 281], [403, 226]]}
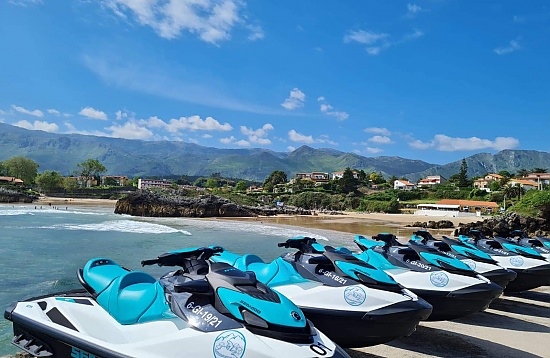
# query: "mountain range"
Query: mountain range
{"points": [[62, 152]]}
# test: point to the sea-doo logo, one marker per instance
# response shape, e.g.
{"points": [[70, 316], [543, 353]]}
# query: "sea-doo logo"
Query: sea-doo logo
{"points": [[439, 279], [229, 344], [471, 263], [354, 295], [296, 315], [248, 305], [516, 261]]}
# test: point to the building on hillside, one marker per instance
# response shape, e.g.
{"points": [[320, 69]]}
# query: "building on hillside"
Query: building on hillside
{"points": [[485, 182], [430, 181], [440, 210], [317, 177], [540, 178], [254, 189], [153, 183], [340, 175], [118, 179], [83, 182], [11, 180], [472, 206], [523, 183], [403, 185]]}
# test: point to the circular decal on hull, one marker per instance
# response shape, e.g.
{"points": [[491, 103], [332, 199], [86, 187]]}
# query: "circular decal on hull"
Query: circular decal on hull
{"points": [[439, 279], [355, 295], [229, 344], [470, 263], [516, 261]]}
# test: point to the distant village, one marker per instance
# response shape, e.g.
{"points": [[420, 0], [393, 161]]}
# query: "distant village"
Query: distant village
{"points": [[368, 185]]}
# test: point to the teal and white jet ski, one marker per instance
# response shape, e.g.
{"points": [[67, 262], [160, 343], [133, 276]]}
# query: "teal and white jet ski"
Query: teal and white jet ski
{"points": [[537, 243], [353, 303], [203, 309], [477, 260], [531, 267], [449, 285]]}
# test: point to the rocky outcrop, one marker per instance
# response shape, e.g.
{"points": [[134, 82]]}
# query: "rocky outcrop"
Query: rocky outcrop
{"points": [[503, 225], [442, 224], [11, 196], [176, 204]]}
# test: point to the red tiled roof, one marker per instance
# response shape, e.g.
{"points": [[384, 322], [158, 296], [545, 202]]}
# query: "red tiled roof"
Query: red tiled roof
{"points": [[491, 204]]}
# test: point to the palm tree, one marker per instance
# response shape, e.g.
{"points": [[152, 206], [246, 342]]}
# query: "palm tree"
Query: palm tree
{"points": [[539, 170]]}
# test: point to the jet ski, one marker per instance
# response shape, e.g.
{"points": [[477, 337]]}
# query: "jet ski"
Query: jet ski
{"points": [[478, 261], [449, 285], [532, 269], [353, 303], [203, 309], [538, 243]]}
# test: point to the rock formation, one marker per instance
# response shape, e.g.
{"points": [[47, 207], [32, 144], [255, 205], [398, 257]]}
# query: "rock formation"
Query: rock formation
{"points": [[11, 196], [176, 204], [503, 225]]}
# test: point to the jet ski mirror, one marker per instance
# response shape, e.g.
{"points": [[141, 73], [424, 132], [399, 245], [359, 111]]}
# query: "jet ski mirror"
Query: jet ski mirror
{"points": [[476, 235], [388, 239]]}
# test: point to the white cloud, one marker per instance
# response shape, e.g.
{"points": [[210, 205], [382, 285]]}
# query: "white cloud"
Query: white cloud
{"points": [[36, 112], [242, 143], [67, 115], [512, 47], [196, 123], [298, 137], [2, 112], [93, 113], [372, 150], [377, 130], [72, 129], [193, 140], [25, 3], [211, 20], [380, 139], [120, 115], [207, 136], [53, 111], [38, 126], [291, 148], [365, 37], [295, 100], [130, 130], [325, 140], [2, 120], [228, 140], [327, 109], [258, 136], [413, 10], [445, 143], [256, 32], [378, 42]]}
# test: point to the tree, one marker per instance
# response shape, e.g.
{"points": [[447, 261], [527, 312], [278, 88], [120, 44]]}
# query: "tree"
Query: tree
{"points": [[376, 178], [110, 182], [495, 185], [90, 168], [362, 175], [513, 191], [539, 170], [49, 181], [3, 169], [241, 186], [506, 174], [463, 175], [70, 184], [276, 177], [522, 173], [22, 168], [347, 183], [391, 180], [135, 181], [211, 183]]}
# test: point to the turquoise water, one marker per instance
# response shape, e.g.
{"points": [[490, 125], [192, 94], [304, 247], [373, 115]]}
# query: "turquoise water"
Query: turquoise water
{"points": [[41, 249]]}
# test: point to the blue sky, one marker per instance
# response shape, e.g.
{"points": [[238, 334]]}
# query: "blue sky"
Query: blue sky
{"points": [[435, 80]]}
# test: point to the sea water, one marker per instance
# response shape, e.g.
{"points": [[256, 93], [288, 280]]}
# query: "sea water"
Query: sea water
{"points": [[41, 248]]}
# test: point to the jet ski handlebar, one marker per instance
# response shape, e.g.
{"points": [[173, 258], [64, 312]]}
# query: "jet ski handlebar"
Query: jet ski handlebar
{"points": [[179, 258], [425, 235], [303, 244]]}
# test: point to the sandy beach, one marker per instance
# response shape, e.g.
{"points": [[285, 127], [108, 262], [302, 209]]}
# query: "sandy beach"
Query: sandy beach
{"points": [[515, 325]]}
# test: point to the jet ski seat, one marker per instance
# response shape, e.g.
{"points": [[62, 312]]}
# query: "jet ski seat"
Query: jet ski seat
{"points": [[264, 272], [128, 296]]}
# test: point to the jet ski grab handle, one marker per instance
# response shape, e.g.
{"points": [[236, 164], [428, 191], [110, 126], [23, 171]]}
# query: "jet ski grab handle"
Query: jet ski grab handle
{"points": [[180, 258]]}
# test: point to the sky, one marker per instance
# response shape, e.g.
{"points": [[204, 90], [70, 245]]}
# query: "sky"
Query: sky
{"points": [[434, 80]]}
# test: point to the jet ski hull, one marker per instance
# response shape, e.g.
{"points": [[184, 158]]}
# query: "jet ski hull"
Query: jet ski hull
{"points": [[501, 277], [459, 303], [352, 329], [529, 278]]}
